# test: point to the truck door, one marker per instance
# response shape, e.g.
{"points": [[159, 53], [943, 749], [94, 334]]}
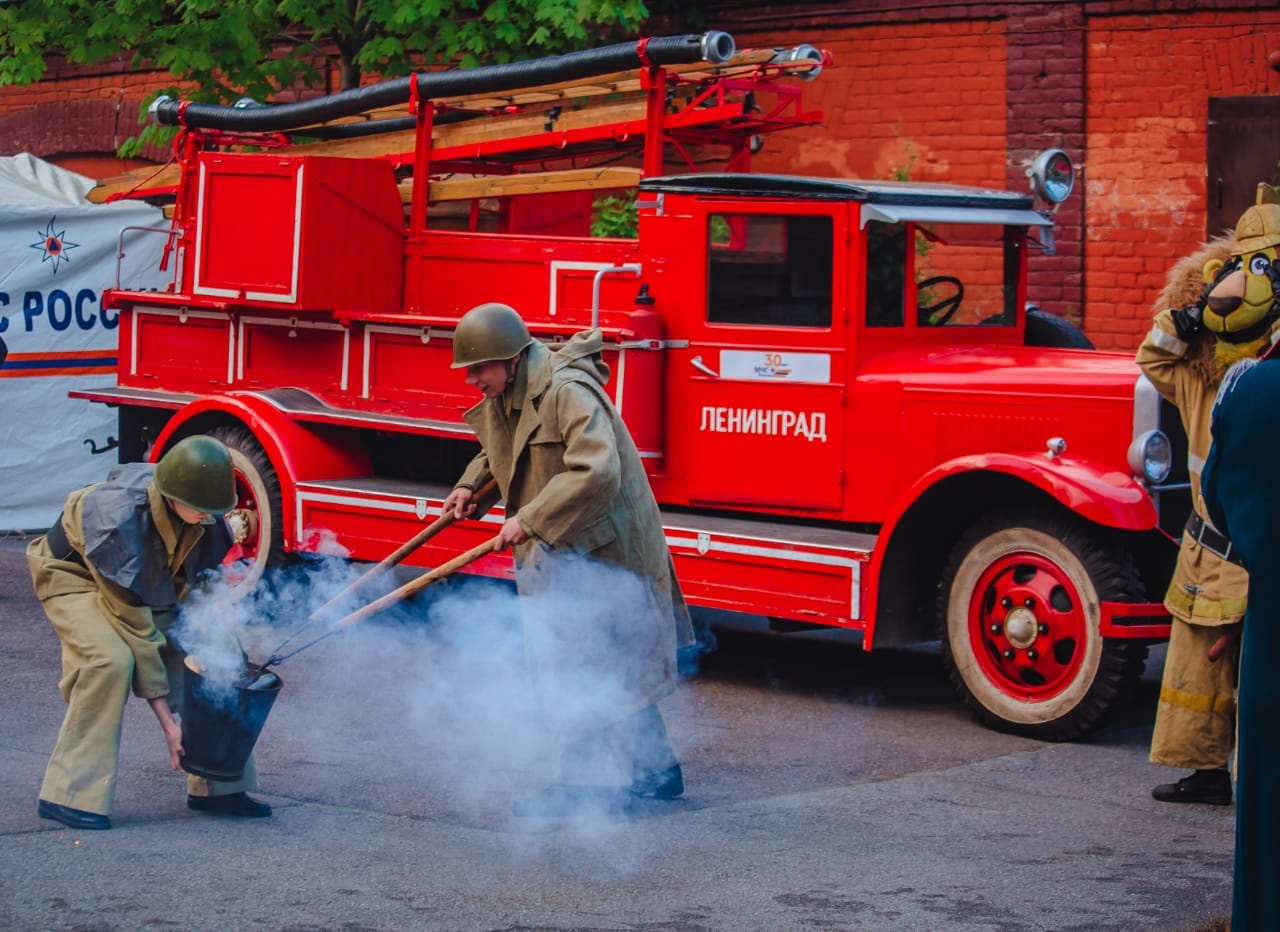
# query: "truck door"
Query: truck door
{"points": [[767, 362]]}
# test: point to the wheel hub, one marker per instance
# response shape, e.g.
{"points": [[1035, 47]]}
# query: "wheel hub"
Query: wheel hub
{"points": [[1020, 628]]}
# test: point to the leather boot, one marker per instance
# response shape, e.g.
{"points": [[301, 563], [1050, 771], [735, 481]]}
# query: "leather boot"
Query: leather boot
{"points": [[1211, 787]]}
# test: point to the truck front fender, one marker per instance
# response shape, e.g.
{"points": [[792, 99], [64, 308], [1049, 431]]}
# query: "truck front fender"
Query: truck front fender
{"points": [[942, 502], [1097, 493]]}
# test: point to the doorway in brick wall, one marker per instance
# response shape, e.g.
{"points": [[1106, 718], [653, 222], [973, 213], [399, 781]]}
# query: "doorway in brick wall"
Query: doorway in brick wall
{"points": [[1244, 149]]}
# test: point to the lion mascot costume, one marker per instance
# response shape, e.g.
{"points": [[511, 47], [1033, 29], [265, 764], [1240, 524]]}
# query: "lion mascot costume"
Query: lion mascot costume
{"points": [[1219, 306]]}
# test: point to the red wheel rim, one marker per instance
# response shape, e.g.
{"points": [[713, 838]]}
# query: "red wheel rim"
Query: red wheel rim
{"points": [[1028, 627]]}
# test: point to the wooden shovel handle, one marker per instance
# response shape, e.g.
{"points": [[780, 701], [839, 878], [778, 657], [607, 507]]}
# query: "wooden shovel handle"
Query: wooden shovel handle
{"points": [[413, 543], [415, 585]]}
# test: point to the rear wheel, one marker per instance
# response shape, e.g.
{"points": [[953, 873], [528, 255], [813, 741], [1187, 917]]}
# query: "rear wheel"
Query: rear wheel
{"points": [[258, 497], [1020, 624]]}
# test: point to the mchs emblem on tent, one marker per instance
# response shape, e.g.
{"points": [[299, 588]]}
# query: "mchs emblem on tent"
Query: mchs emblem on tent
{"points": [[54, 245]]}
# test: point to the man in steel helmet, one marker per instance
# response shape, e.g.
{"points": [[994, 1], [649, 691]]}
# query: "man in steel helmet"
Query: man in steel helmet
{"points": [[577, 500], [110, 573]]}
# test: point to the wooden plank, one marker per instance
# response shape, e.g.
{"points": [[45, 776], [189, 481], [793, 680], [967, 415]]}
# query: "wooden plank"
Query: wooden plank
{"points": [[574, 179], [145, 177], [514, 126]]}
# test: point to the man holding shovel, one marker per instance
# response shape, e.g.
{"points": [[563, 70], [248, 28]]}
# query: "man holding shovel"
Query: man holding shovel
{"points": [[576, 496], [109, 574]]}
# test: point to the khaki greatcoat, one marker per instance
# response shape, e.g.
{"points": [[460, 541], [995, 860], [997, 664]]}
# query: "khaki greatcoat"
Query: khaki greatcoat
{"points": [[567, 469]]}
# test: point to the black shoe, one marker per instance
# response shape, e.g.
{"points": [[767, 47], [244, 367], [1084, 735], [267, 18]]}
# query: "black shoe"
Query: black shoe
{"points": [[1212, 787], [232, 804], [72, 818], [662, 784], [562, 801]]}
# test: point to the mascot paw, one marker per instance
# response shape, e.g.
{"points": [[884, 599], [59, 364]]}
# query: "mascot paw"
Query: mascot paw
{"points": [[1187, 321]]}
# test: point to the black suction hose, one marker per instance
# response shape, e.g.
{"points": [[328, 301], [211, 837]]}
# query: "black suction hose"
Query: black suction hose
{"points": [[715, 47]]}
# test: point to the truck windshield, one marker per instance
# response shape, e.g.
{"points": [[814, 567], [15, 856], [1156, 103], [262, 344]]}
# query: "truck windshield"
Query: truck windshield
{"points": [[963, 274], [769, 270]]}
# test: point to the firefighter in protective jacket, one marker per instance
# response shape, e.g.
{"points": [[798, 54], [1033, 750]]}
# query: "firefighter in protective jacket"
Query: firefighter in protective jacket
{"points": [[110, 573], [575, 489], [1220, 306]]}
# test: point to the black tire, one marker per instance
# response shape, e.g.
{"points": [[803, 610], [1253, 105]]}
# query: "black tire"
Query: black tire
{"points": [[1020, 626], [1052, 331], [258, 488]]}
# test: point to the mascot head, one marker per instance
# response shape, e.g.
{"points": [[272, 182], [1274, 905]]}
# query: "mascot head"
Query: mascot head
{"points": [[1239, 303]]}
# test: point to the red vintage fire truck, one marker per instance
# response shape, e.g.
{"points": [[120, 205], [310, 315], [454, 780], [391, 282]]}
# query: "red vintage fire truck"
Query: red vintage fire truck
{"points": [[848, 413]]}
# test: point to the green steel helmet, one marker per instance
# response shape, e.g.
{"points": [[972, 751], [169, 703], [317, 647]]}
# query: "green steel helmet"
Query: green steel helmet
{"points": [[489, 332], [197, 472]]}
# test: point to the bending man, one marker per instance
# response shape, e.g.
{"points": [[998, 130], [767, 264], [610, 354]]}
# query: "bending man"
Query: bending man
{"points": [[109, 574]]}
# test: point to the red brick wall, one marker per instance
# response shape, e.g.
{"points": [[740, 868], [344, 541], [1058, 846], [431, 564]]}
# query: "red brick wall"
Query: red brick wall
{"points": [[887, 112], [77, 111], [1045, 86], [961, 101], [1148, 88]]}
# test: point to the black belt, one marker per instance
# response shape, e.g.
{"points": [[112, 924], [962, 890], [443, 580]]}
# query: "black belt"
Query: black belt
{"points": [[59, 546], [1208, 537]]}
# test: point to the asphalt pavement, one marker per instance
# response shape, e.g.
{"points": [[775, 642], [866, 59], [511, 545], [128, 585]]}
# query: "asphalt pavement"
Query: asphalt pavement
{"points": [[828, 788]]}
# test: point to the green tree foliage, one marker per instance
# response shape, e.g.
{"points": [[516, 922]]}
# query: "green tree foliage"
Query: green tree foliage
{"points": [[222, 50], [614, 215]]}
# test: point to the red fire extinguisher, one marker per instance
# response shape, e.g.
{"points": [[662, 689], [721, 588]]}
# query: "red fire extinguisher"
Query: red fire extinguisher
{"points": [[640, 372]]}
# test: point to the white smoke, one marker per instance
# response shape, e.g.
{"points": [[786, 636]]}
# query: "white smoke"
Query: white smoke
{"points": [[440, 687]]}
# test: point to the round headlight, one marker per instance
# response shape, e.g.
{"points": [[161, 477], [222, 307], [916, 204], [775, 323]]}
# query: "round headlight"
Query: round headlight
{"points": [[1151, 456], [1052, 176]]}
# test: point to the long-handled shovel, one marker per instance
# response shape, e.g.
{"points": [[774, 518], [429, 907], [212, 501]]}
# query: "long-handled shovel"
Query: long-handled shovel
{"points": [[413, 543], [393, 559], [396, 595]]}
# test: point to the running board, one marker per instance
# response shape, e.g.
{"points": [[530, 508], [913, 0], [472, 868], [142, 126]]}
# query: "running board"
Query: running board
{"points": [[734, 564]]}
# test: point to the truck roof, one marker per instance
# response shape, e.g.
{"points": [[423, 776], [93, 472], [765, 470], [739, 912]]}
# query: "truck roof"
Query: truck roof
{"points": [[839, 189]]}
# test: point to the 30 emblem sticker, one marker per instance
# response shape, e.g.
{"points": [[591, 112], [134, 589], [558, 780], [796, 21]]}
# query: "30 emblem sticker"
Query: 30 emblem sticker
{"points": [[775, 366]]}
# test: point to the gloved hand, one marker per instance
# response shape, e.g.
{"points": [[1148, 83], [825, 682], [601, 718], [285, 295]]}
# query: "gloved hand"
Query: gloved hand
{"points": [[1187, 321]]}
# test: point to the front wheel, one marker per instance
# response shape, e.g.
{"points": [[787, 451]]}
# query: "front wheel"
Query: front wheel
{"points": [[1020, 623], [258, 498]]}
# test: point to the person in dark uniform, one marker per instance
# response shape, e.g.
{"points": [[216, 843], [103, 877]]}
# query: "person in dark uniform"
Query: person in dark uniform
{"points": [[1243, 498], [578, 504], [110, 574]]}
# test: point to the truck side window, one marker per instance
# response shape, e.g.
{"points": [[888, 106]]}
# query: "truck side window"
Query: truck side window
{"points": [[886, 274], [768, 270]]}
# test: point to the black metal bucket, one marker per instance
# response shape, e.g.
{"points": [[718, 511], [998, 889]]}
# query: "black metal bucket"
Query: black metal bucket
{"points": [[221, 726]]}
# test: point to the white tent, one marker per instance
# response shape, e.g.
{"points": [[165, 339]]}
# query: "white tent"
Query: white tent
{"points": [[58, 254]]}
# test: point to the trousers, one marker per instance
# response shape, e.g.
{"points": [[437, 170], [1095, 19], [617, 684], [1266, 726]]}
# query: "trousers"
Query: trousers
{"points": [[97, 674]]}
